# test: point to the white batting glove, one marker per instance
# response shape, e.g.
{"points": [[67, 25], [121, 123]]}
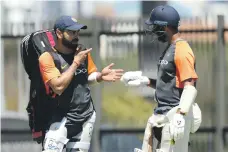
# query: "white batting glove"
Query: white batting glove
{"points": [[134, 78], [141, 81], [177, 127], [131, 75]]}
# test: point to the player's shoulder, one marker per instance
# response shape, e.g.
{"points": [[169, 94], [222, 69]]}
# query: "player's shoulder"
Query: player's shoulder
{"points": [[89, 54], [182, 44], [183, 47], [45, 57]]}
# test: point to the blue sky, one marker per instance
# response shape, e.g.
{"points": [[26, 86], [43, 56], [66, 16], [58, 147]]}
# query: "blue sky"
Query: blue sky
{"points": [[185, 8], [128, 8]]}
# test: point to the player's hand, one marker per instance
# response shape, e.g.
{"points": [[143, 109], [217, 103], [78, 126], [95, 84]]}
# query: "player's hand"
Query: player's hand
{"points": [[111, 75], [134, 78], [80, 56], [177, 127]]}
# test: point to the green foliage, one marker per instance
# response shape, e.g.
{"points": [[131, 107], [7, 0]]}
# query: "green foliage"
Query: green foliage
{"points": [[124, 108]]}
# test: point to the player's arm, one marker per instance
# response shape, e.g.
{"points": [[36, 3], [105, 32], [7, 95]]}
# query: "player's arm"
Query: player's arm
{"points": [[185, 78], [186, 74], [190, 81], [52, 76], [107, 74], [59, 84]]}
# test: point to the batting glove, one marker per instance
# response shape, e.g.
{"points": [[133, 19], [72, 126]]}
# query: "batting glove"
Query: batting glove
{"points": [[134, 78], [177, 127]]}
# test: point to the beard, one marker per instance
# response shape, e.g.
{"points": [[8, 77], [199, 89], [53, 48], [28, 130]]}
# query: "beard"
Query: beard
{"points": [[73, 44], [163, 38]]}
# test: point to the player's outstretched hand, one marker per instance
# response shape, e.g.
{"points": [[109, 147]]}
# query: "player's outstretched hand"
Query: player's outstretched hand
{"points": [[111, 75]]}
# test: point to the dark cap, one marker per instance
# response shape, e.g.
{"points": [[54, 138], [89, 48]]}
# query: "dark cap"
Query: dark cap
{"points": [[69, 23]]}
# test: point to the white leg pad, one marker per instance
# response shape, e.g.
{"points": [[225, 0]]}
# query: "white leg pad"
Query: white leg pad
{"points": [[147, 139], [180, 145], [166, 146], [85, 136], [56, 137]]}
